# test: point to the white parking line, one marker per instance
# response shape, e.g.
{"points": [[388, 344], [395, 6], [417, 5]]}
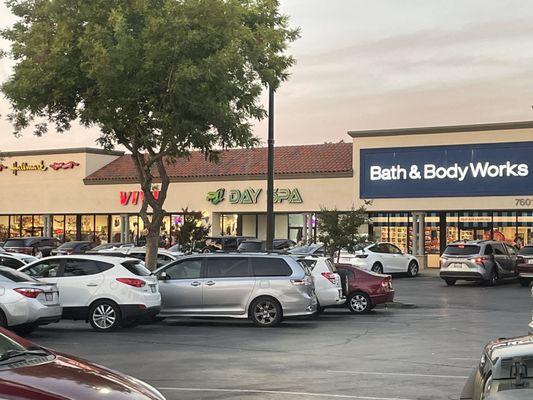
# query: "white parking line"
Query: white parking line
{"points": [[281, 392], [463, 359], [397, 374]]}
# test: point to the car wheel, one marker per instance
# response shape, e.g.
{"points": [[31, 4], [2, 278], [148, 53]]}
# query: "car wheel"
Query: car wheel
{"points": [[412, 269], [104, 316], [494, 278], [265, 312], [377, 268], [524, 282], [25, 329], [450, 282], [359, 303], [3, 320]]}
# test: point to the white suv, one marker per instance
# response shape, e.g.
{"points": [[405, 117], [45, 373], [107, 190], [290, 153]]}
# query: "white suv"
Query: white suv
{"points": [[328, 285], [106, 291]]}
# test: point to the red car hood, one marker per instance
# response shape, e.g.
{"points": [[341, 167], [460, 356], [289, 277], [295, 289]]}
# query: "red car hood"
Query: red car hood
{"points": [[70, 378]]}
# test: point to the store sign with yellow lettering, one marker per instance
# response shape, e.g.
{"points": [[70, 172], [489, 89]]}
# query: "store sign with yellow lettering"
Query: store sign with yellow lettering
{"points": [[17, 167]]}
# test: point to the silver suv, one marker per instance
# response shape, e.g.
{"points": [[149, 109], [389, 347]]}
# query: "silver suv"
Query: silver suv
{"points": [[482, 260], [264, 288]]}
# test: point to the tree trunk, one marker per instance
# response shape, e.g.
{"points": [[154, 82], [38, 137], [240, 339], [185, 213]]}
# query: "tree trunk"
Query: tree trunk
{"points": [[152, 244]]}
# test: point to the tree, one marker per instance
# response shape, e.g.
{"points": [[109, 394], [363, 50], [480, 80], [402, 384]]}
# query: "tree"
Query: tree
{"points": [[191, 230], [159, 77], [340, 229]]}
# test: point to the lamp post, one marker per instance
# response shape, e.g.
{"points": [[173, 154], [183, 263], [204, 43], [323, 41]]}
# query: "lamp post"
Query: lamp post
{"points": [[270, 174]]}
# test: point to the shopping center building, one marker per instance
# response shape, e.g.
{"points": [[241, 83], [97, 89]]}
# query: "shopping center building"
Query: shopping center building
{"points": [[427, 187]]}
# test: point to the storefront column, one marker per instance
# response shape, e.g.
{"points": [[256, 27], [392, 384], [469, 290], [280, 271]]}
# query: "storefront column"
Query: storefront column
{"points": [[125, 228], [47, 225], [306, 228], [414, 250], [419, 229]]}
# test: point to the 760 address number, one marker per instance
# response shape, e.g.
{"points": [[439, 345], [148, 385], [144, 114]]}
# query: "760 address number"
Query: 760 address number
{"points": [[523, 202]]}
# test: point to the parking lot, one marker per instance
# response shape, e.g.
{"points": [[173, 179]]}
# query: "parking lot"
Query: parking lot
{"points": [[422, 348]]}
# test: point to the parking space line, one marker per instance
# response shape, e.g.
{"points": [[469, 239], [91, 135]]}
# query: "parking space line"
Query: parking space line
{"points": [[397, 374], [280, 392], [463, 358]]}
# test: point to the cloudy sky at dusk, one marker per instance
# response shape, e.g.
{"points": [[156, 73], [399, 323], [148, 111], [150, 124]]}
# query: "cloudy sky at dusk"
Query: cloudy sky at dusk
{"points": [[381, 64]]}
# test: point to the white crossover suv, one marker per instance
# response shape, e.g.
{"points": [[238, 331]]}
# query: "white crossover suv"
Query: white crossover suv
{"points": [[328, 285], [381, 258], [106, 291]]}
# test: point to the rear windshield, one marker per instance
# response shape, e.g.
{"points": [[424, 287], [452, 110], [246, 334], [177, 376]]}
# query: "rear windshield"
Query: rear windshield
{"points": [[13, 275], [250, 246], [136, 268], [462, 250], [17, 243], [526, 251]]}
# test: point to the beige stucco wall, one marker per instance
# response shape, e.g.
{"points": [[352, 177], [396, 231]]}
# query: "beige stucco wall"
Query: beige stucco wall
{"points": [[443, 203]]}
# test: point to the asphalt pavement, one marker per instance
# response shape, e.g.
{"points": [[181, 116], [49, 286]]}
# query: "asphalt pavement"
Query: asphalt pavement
{"points": [[423, 347]]}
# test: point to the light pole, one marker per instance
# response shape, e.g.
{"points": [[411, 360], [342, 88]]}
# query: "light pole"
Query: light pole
{"points": [[270, 174]]}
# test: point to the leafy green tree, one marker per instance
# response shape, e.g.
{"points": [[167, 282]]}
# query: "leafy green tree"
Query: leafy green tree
{"points": [[191, 231], [159, 77], [340, 229]]}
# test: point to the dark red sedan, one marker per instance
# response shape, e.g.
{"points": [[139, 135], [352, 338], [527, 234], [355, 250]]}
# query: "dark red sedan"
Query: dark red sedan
{"points": [[364, 289], [28, 371]]}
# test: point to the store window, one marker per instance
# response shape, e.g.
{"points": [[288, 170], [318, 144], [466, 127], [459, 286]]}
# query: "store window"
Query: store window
{"points": [[504, 227], [4, 227], [27, 225], [475, 226], [229, 224], [15, 226], [116, 227], [296, 227], [71, 228], [58, 227], [398, 230], [87, 227], [432, 233], [38, 225], [379, 223], [133, 230], [525, 228], [452, 227], [102, 228]]}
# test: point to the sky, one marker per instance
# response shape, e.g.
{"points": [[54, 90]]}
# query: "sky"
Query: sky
{"points": [[379, 64]]}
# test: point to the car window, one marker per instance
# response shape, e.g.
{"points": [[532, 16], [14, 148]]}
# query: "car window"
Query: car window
{"points": [[498, 249], [16, 276], [79, 267], [488, 250], [140, 256], [392, 249], [526, 251], [186, 269], [163, 260], [511, 250], [270, 266], [11, 262], [136, 267], [379, 248], [462, 250], [227, 267], [44, 269]]}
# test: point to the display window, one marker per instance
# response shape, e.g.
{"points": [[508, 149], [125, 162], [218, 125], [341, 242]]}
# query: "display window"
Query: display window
{"points": [[15, 225], [229, 224], [116, 228], [432, 234], [87, 227], [102, 229], [475, 226], [71, 228], [504, 228], [4, 227]]}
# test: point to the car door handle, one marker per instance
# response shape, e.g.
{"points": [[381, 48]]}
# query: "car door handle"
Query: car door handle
{"points": [[195, 283], [210, 283], [92, 284]]}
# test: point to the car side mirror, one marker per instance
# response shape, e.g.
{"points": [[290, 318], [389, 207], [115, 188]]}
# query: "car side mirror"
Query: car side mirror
{"points": [[163, 276]]}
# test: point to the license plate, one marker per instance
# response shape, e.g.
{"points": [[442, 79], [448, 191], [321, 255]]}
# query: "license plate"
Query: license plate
{"points": [[458, 266], [49, 296], [154, 288]]}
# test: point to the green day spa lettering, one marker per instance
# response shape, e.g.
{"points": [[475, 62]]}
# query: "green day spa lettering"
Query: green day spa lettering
{"points": [[456, 171], [251, 196]]}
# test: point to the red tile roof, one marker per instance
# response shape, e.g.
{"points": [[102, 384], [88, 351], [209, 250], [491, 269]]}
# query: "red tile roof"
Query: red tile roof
{"points": [[320, 159]]}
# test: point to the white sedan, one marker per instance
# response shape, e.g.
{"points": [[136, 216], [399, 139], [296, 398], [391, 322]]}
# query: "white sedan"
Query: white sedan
{"points": [[381, 258]]}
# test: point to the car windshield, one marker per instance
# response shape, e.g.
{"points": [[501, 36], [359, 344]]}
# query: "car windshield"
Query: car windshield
{"points": [[17, 243], [69, 245], [12, 275], [526, 251], [305, 249], [462, 250], [6, 345]]}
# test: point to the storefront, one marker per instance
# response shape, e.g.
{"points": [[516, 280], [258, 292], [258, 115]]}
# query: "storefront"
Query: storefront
{"points": [[432, 186], [91, 194]]}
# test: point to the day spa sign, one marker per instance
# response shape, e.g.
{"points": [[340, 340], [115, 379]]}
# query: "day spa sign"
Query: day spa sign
{"points": [[496, 169], [251, 196]]}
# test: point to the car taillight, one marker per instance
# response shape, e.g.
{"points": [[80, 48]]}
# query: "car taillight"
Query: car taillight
{"points": [[480, 260], [386, 283], [29, 292], [132, 282], [361, 255], [330, 276]]}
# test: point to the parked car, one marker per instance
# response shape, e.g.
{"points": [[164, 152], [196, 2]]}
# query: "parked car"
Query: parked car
{"points": [[74, 247], [316, 249], [513, 394], [530, 326], [327, 282], [524, 267], [257, 246], [34, 246], [365, 289], [382, 257], [15, 260], [223, 243], [31, 372], [25, 302], [480, 260], [263, 288], [505, 364], [108, 292], [163, 256]]}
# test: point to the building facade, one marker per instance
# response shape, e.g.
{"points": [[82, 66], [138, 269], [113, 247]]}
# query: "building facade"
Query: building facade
{"points": [[427, 187]]}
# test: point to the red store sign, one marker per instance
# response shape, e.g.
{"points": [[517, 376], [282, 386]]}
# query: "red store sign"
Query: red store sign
{"points": [[135, 197]]}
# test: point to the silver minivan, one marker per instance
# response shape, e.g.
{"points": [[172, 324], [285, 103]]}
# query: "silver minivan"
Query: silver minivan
{"points": [[264, 288]]}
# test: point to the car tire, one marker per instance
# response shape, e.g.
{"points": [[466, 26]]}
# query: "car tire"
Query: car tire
{"points": [[524, 282], [3, 320], [104, 316], [359, 303], [25, 329], [265, 312], [412, 269], [450, 282], [377, 268], [494, 278]]}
